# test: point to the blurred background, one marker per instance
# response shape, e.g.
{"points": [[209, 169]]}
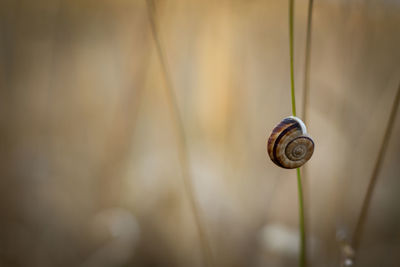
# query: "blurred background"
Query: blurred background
{"points": [[89, 165]]}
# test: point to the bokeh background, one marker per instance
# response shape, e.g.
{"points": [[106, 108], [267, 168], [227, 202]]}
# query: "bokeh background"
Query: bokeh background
{"points": [[89, 168]]}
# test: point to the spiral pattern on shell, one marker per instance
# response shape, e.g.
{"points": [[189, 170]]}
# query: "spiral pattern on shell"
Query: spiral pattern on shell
{"points": [[289, 145]]}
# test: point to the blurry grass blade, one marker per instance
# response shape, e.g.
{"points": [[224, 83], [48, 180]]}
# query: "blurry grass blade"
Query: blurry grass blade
{"points": [[307, 60], [182, 146], [363, 216], [306, 90]]}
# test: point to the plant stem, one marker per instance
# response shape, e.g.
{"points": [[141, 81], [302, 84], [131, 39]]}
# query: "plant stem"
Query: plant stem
{"points": [[291, 41], [306, 90], [307, 61], [181, 140], [362, 218], [302, 256]]}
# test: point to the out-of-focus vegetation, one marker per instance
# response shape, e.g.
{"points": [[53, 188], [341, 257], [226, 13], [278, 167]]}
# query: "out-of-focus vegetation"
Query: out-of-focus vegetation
{"points": [[89, 173]]}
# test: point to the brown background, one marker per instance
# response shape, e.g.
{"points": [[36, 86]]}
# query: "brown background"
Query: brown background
{"points": [[89, 170]]}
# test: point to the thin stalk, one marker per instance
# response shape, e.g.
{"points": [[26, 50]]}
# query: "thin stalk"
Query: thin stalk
{"points": [[306, 90], [302, 256], [302, 259], [181, 139], [291, 41], [307, 61], [362, 218]]}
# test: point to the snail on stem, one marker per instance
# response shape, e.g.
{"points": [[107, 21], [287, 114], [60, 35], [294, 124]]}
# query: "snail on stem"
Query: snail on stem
{"points": [[289, 145]]}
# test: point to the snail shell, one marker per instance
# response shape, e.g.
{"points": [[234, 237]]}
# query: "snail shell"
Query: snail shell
{"points": [[289, 145]]}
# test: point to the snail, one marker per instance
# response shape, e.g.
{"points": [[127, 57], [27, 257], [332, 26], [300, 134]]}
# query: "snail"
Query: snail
{"points": [[289, 145]]}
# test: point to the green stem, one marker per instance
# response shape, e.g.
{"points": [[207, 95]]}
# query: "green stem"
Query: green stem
{"points": [[302, 256], [291, 41]]}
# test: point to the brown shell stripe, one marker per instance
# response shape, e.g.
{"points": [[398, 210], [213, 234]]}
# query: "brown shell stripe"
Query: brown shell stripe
{"points": [[286, 126]]}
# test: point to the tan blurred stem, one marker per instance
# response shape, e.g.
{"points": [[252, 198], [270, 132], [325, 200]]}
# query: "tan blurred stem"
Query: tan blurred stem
{"points": [[306, 90], [363, 216], [182, 146], [307, 61]]}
